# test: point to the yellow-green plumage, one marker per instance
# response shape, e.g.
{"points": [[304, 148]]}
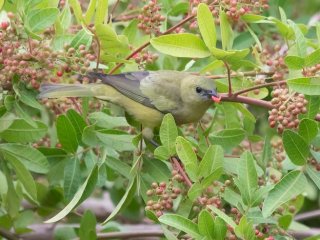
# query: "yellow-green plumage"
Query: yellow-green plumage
{"points": [[147, 96]]}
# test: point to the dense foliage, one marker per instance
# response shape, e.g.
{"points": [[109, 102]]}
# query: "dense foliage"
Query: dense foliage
{"points": [[244, 172]]}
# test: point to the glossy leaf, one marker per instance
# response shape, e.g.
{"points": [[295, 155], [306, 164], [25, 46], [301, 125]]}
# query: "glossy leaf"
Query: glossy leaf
{"points": [[296, 147], [22, 132], [309, 86], [211, 162], [291, 185], [226, 31], [181, 223], [181, 45], [72, 178], [77, 11], [83, 192], [127, 197], [30, 157], [223, 216], [67, 135], [228, 137], [206, 25], [168, 133], [101, 11], [39, 20], [308, 129], [206, 224], [187, 157]]}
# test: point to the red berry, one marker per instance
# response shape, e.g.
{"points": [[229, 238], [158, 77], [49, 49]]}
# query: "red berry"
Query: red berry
{"points": [[4, 25], [59, 73]]}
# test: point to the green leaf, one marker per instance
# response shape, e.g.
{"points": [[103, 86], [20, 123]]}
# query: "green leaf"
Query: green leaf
{"points": [[248, 178], [88, 224], [118, 166], [118, 140], [181, 223], [22, 132], [81, 38], [90, 11], [296, 147], [181, 45], [161, 153], [25, 177], [6, 120], [77, 11], [72, 178], [206, 224], [67, 134], [220, 229], [291, 185], [285, 221], [294, 62], [211, 162], [127, 197], [111, 43], [312, 107], [1, 4], [101, 11], [83, 192], [309, 86], [77, 122], [245, 229], [31, 158], [252, 18], [187, 157], [308, 129], [168, 133], [313, 58], [206, 25], [300, 40], [38, 20], [228, 137], [314, 175], [104, 120], [223, 216], [226, 31]]}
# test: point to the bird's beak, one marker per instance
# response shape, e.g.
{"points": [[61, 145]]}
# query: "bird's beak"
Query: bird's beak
{"points": [[214, 96]]}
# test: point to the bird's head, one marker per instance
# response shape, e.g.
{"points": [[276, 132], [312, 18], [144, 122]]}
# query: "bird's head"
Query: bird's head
{"points": [[198, 89]]}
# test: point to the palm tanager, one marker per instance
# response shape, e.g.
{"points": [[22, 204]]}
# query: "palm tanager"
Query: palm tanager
{"points": [[145, 95]]}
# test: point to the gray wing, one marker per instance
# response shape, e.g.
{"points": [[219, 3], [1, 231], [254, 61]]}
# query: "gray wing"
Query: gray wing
{"points": [[126, 83]]}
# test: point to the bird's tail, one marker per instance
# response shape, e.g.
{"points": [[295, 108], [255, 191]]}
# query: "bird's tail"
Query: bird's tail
{"points": [[65, 90]]}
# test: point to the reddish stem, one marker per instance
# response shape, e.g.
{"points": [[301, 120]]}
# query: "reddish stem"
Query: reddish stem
{"points": [[181, 171], [260, 86], [229, 78]]}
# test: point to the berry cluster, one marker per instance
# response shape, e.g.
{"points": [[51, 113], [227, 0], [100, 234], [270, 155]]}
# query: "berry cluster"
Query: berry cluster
{"points": [[278, 153], [286, 108], [162, 195], [273, 58], [35, 61], [311, 71], [145, 57], [150, 18], [233, 8]]}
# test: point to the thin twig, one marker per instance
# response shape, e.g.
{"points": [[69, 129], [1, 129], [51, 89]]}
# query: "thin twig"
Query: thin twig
{"points": [[241, 74], [139, 49], [75, 103], [8, 235], [241, 99], [181, 171], [114, 8], [307, 215], [229, 78], [260, 86]]}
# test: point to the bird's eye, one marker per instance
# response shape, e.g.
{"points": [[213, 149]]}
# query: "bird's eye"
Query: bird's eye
{"points": [[198, 89]]}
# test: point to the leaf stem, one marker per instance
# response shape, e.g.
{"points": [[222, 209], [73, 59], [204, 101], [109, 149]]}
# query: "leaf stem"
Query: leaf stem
{"points": [[181, 171]]}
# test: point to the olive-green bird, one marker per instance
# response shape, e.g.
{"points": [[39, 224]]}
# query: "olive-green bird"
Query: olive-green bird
{"points": [[147, 96]]}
